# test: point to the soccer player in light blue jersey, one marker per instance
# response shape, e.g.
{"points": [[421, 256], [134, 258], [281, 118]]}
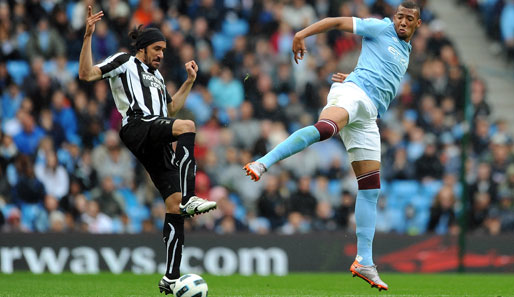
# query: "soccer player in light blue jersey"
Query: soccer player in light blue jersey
{"points": [[353, 105]]}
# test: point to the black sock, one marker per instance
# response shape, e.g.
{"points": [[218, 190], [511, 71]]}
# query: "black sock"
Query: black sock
{"points": [[185, 156], [173, 235]]}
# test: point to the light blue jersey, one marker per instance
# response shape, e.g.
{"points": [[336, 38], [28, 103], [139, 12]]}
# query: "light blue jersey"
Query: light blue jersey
{"points": [[383, 60]]}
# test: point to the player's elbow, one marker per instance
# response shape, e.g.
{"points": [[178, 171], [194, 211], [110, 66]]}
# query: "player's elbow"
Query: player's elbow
{"points": [[83, 75], [89, 75]]}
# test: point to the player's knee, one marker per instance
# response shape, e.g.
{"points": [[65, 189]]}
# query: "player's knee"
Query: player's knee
{"points": [[185, 126], [369, 180], [326, 128]]}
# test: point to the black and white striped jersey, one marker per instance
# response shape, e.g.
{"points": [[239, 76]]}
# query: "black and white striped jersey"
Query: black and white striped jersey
{"points": [[137, 90]]}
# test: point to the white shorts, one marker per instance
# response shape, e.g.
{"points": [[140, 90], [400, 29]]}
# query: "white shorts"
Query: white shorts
{"points": [[360, 135]]}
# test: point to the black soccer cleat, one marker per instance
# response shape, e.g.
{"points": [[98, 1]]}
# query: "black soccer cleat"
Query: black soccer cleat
{"points": [[166, 286]]}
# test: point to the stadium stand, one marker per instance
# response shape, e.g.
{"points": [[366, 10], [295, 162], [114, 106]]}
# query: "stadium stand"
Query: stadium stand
{"points": [[243, 45]]}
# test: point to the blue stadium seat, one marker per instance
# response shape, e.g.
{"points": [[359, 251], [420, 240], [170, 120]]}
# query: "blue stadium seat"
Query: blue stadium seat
{"points": [[49, 66], [69, 9], [335, 188], [18, 69], [129, 197], [427, 193], [421, 220], [29, 214], [6, 210], [137, 214], [397, 217], [402, 192], [73, 67], [117, 225], [221, 44]]}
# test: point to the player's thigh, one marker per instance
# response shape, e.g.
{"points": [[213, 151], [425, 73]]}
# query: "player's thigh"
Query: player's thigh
{"points": [[344, 103], [158, 160], [160, 130], [362, 141], [338, 115]]}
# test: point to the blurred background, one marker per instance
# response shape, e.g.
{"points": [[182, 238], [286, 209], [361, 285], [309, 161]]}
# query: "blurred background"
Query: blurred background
{"points": [[447, 146]]}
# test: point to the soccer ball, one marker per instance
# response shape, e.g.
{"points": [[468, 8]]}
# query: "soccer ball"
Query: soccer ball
{"points": [[190, 285]]}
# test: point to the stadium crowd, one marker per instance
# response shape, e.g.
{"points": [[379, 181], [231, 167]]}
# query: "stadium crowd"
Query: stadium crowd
{"points": [[497, 17], [63, 167]]}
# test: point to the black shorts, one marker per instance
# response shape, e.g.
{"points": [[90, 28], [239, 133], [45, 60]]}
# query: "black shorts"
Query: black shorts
{"points": [[149, 139]]}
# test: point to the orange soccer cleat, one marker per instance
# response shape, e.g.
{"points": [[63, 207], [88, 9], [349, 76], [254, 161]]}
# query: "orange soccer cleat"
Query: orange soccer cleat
{"points": [[369, 274], [255, 170]]}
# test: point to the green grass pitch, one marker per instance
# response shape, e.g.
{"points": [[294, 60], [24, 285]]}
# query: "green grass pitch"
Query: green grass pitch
{"points": [[297, 284]]}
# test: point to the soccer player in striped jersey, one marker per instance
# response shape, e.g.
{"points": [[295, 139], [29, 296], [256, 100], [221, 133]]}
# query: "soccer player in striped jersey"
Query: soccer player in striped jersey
{"points": [[353, 105], [149, 129]]}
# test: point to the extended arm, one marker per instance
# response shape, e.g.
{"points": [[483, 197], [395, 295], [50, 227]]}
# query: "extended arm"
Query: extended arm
{"points": [[180, 96], [326, 24], [87, 71]]}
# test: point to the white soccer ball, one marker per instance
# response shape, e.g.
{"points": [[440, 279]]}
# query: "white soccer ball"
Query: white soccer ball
{"points": [[190, 285]]}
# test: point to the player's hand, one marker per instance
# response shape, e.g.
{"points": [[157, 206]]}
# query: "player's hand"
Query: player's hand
{"points": [[192, 69], [339, 77], [299, 48], [91, 20]]}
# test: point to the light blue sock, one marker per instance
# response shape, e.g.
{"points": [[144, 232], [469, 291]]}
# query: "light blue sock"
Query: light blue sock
{"points": [[296, 142], [365, 217]]}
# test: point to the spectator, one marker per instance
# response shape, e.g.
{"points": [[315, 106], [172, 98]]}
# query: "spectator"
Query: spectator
{"points": [[298, 14], [303, 201], [442, 213], [246, 129], [271, 205], [52, 128], [325, 219], [345, 210], [112, 159], [296, 223], [28, 139], [104, 43], [428, 166], [27, 188], [96, 221], [53, 176], [109, 199], [480, 211], [60, 73], [228, 223], [13, 222], [64, 114], [45, 42], [226, 91], [11, 102], [484, 182], [507, 27]]}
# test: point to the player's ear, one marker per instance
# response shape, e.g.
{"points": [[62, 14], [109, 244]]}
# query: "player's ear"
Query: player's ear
{"points": [[419, 23]]}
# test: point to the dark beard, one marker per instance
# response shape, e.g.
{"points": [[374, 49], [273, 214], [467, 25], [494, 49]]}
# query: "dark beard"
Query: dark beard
{"points": [[148, 62]]}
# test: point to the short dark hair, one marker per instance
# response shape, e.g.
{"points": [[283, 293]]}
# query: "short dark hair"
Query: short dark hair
{"points": [[409, 4]]}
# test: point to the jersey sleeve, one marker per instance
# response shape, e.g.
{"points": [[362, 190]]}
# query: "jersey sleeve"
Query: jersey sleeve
{"points": [[369, 27], [168, 98], [114, 65]]}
